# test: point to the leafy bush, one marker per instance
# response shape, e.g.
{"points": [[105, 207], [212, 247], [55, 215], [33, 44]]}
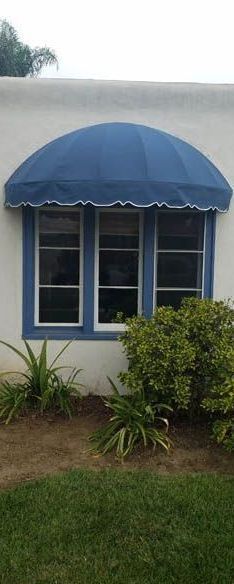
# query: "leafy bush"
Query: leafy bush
{"points": [[134, 421], [210, 326], [221, 404], [223, 432], [180, 357], [160, 356], [42, 384]]}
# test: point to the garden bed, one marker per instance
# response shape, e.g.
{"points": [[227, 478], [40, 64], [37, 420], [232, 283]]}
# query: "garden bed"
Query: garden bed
{"points": [[35, 446]]}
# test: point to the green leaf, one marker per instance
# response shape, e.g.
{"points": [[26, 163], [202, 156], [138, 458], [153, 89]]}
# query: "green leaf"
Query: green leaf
{"points": [[60, 353], [19, 353], [114, 387], [42, 366]]}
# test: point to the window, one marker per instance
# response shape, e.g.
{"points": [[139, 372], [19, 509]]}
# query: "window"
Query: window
{"points": [[118, 274], [82, 266], [179, 256], [58, 267]]}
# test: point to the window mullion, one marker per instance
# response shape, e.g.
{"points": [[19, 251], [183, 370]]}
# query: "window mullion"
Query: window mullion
{"points": [[148, 261], [89, 264], [28, 269]]}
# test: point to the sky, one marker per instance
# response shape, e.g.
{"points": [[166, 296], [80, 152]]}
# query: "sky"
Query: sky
{"points": [[147, 40]]}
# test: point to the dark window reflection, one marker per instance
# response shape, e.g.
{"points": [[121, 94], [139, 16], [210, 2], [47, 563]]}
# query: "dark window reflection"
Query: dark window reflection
{"points": [[179, 270], [173, 297], [112, 301], [59, 267], [180, 230], [59, 305], [59, 228], [118, 268], [119, 230]]}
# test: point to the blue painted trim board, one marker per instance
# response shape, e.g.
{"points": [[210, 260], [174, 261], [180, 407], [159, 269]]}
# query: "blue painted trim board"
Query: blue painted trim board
{"points": [[28, 271], [148, 262], [89, 261], [209, 254]]}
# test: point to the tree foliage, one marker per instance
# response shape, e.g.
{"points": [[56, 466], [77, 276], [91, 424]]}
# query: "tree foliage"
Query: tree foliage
{"points": [[18, 59]]}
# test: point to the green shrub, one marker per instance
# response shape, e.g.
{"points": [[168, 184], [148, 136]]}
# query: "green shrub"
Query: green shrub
{"points": [[210, 326], [42, 386], [181, 357], [160, 356], [223, 433], [134, 421], [221, 405]]}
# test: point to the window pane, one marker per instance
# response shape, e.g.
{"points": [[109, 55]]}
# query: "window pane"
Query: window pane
{"points": [[59, 228], [173, 297], [179, 270], [119, 230], [180, 230], [59, 305], [59, 267], [112, 301], [118, 268]]}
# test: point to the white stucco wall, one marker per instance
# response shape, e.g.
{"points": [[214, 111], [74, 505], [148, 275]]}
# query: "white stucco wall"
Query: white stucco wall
{"points": [[33, 112]]}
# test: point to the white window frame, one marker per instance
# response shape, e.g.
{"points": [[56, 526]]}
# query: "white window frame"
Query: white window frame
{"points": [[80, 287], [156, 250], [109, 327]]}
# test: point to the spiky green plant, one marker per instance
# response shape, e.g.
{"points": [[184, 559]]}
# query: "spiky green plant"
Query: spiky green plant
{"points": [[133, 421], [60, 393], [44, 385], [13, 398], [38, 373]]}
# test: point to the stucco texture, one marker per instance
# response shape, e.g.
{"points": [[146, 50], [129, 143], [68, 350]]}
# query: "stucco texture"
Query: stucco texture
{"points": [[35, 111]]}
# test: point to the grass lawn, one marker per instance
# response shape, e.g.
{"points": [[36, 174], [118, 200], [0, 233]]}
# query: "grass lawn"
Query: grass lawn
{"points": [[104, 527]]}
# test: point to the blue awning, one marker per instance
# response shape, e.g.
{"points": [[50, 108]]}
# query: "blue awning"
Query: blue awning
{"points": [[119, 163]]}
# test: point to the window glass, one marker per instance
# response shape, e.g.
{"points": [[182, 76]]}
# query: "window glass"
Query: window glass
{"points": [[59, 228], [118, 257], [179, 270], [118, 268], [119, 230], [180, 230], [179, 256], [59, 305], [59, 266], [174, 297], [113, 300]]}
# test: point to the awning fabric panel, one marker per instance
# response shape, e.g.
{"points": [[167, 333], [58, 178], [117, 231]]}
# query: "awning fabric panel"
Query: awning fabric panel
{"points": [[119, 163]]}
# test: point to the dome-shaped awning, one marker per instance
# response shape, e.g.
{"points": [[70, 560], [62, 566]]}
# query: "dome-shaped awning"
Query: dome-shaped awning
{"points": [[113, 163]]}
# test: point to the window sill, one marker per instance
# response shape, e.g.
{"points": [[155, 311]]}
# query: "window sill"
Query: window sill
{"points": [[69, 333]]}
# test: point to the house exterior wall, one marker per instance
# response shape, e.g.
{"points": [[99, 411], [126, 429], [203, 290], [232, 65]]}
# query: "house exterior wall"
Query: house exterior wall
{"points": [[33, 112]]}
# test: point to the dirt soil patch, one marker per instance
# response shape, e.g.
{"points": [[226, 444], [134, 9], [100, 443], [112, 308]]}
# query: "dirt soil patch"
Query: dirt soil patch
{"points": [[33, 446]]}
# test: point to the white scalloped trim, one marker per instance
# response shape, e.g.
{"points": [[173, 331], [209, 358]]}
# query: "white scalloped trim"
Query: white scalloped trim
{"points": [[117, 203]]}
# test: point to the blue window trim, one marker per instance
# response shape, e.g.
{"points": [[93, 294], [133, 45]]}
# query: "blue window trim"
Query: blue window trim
{"points": [[148, 262], [86, 332], [209, 258]]}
